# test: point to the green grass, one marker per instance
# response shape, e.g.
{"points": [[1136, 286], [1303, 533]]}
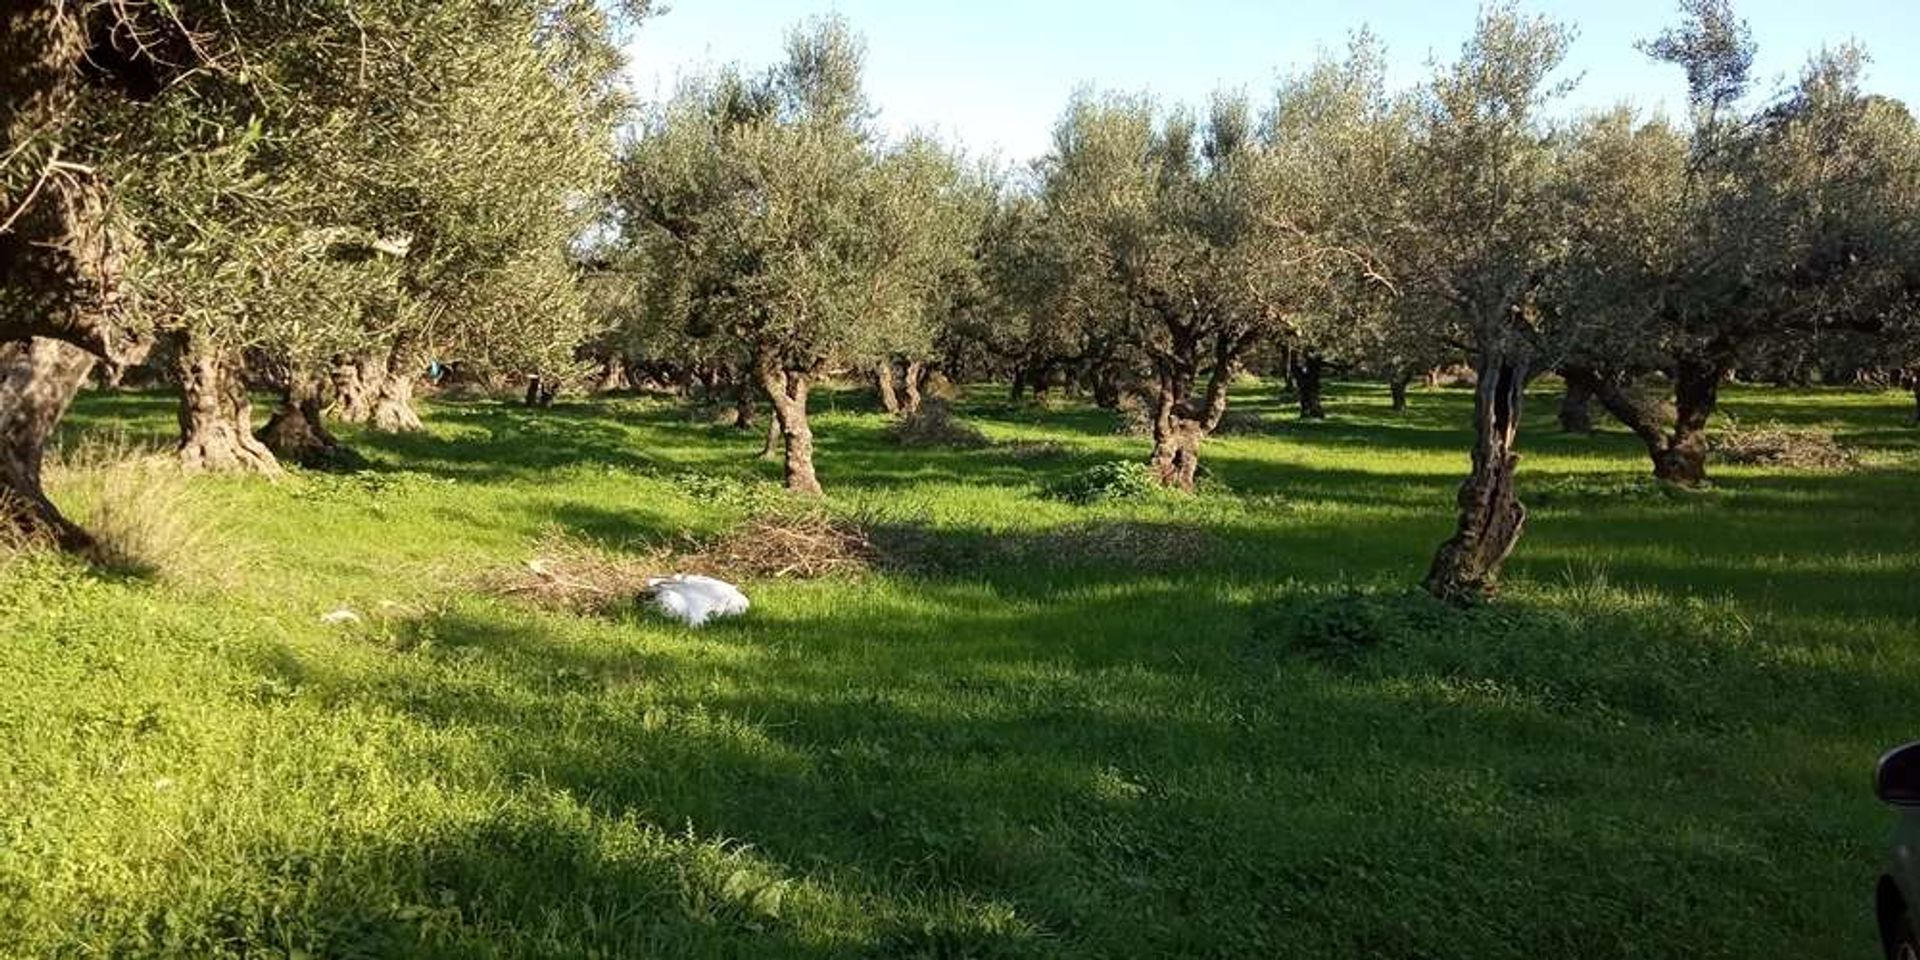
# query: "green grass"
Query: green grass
{"points": [[1656, 744]]}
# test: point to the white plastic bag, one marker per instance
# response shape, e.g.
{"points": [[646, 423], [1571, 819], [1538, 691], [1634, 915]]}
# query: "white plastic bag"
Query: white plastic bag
{"points": [[693, 599]]}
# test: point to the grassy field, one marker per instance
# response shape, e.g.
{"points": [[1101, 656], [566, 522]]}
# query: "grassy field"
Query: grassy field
{"points": [[1218, 726]]}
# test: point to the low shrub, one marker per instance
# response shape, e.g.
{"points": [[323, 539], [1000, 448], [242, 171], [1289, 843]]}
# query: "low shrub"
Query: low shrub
{"points": [[1110, 482]]}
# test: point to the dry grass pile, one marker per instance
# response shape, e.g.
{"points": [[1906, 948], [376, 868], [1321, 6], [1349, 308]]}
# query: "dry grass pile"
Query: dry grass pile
{"points": [[934, 425], [804, 544], [1772, 445], [566, 573]]}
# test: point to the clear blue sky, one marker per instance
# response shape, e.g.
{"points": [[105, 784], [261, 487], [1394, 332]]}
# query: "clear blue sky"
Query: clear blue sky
{"points": [[994, 74]]}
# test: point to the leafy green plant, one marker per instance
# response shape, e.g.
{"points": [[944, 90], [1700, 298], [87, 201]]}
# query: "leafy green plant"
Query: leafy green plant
{"points": [[1110, 482]]}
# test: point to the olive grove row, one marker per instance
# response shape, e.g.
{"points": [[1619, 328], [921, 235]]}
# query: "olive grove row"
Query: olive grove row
{"points": [[324, 200]]}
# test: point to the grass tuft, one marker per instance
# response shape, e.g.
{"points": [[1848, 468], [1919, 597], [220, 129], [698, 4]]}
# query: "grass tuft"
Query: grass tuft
{"points": [[141, 510]]}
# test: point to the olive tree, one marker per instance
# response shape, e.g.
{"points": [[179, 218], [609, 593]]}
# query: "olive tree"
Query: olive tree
{"points": [[796, 231], [204, 172], [1478, 255], [1774, 229]]}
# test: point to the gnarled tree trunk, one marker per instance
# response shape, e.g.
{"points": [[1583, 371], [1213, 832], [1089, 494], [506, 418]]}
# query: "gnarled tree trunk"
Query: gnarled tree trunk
{"points": [[297, 431], [1679, 456], [1466, 568], [38, 381], [1576, 407], [353, 389], [911, 386], [1397, 389], [393, 410], [1696, 392], [1180, 423], [216, 415], [743, 406], [883, 374], [787, 390], [1308, 371]]}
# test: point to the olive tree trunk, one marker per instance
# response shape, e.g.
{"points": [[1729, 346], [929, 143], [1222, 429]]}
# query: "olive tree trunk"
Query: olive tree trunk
{"points": [[216, 415], [1466, 568], [353, 388], [743, 406], [393, 410], [883, 374], [1308, 372], [38, 381], [1397, 389], [1680, 455], [787, 391], [911, 386], [297, 430], [1576, 406], [1180, 422]]}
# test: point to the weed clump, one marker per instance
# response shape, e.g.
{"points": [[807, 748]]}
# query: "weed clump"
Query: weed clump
{"points": [[1116, 481], [934, 425], [1349, 623], [139, 508], [1772, 445]]}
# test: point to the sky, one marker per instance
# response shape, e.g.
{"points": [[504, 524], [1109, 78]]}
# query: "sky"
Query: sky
{"points": [[994, 75]]}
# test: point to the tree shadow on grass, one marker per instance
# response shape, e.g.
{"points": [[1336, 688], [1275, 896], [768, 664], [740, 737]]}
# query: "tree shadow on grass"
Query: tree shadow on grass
{"points": [[1127, 785]]}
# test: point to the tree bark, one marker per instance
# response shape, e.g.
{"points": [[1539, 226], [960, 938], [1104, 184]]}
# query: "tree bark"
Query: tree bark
{"points": [[787, 391], [1466, 568], [883, 374], [743, 406], [1679, 456], [1180, 424], [1916, 399], [911, 385], [38, 381], [216, 415], [353, 388], [1576, 407], [393, 410], [1308, 371], [1696, 392], [613, 375], [297, 431], [1397, 389], [1176, 452]]}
